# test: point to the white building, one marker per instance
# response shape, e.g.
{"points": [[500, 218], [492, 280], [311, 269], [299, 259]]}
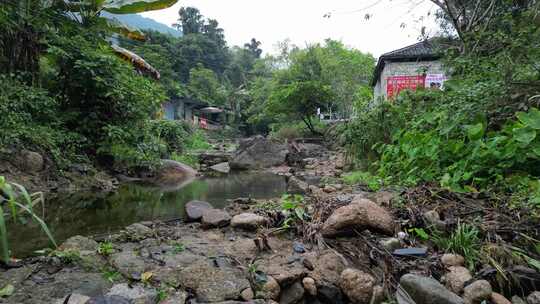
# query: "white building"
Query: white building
{"points": [[413, 66]]}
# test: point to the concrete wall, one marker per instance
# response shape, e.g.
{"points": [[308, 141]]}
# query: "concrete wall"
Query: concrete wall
{"points": [[405, 69]]}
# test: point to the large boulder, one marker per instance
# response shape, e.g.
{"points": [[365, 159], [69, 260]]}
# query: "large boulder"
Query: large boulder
{"points": [[297, 186], [30, 161], [172, 172], [360, 213], [259, 152], [221, 168], [424, 290], [357, 285]]}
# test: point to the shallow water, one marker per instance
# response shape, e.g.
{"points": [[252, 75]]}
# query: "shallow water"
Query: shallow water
{"points": [[94, 213]]}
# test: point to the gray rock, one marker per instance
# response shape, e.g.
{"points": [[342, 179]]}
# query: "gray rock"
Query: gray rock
{"points": [[30, 161], [269, 290], [138, 232], [433, 219], [329, 293], [360, 213], [248, 221], [178, 297], [518, 300], [533, 298], [477, 291], [215, 218], [292, 294], [128, 264], [74, 298], [457, 277], [86, 249], [109, 300], [195, 209], [212, 284], [423, 290], [259, 152], [296, 186], [79, 243], [136, 294], [221, 168], [357, 285], [247, 294]]}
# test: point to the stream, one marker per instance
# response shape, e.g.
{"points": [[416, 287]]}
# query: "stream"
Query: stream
{"points": [[95, 213]]}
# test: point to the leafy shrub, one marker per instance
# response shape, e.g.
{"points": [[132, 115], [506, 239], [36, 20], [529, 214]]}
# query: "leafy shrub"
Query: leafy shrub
{"points": [[173, 132], [30, 120]]}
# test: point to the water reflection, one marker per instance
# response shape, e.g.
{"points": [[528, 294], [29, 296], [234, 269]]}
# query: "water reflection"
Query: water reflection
{"points": [[90, 213]]}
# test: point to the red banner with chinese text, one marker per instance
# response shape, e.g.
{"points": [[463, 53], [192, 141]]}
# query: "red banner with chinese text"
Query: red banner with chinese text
{"points": [[396, 84]]}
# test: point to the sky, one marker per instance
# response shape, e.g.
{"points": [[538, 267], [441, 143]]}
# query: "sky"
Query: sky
{"points": [[304, 21]]}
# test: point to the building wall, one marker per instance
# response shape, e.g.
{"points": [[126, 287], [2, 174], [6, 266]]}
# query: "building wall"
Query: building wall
{"points": [[405, 69]]}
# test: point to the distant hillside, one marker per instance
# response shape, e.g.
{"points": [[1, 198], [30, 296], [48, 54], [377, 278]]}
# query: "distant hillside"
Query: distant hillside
{"points": [[142, 23]]}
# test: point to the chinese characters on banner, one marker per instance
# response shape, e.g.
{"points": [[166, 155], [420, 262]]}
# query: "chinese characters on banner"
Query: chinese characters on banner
{"points": [[396, 84]]}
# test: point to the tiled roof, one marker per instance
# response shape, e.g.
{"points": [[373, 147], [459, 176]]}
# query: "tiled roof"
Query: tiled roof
{"points": [[423, 50]]}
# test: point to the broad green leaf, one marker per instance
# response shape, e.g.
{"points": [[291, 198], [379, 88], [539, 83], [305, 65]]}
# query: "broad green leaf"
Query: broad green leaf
{"points": [[524, 135], [125, 30], [530, 119], [136, 6], [7, 290], [475, 132]]}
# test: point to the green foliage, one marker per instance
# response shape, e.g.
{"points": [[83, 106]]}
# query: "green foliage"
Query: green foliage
{"points": [[361, 177], [178, 248], [18, 201], [465, 240], [112, 275], [105, 248], [293, 208]]}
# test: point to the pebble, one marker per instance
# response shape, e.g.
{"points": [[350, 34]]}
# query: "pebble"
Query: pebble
{"points": [[456, 278], [309, 286], [477, 292], [497, 298], [299, 247], [247, 294], [450, 259]]}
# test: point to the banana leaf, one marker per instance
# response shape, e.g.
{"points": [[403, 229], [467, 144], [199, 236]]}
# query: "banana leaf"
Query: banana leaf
{"points": [[139, 63], [135, 6], [125, 30]]}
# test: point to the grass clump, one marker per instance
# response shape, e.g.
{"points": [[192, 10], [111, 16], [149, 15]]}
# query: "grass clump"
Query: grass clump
{"points": [[465, 240]]}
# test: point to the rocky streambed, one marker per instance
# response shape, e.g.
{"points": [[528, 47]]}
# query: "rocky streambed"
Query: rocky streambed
{"points": [[334, 244]]}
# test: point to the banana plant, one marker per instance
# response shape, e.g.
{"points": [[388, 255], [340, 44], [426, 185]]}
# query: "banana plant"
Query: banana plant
{"points": [[92, 8]]}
